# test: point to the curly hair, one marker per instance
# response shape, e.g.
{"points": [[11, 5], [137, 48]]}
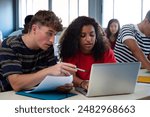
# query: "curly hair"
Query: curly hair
{"points": [[69, 41], [46, 18]]}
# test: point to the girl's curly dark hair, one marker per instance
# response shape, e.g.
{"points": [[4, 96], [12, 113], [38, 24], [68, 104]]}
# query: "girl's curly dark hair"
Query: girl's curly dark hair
{"points": [[69, 41]]}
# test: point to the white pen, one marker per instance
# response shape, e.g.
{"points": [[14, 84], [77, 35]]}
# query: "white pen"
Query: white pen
{"points": [[82, 70]]}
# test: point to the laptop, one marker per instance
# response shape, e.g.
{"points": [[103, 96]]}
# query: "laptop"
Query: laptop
{"points": [[112, 79]]}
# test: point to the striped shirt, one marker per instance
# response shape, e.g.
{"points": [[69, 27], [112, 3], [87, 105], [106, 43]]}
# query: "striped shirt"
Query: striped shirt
{"points": [[122, 52], [17, 58]]}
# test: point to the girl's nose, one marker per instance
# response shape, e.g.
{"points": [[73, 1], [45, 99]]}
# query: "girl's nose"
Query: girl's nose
{"points": [[88, 38]]}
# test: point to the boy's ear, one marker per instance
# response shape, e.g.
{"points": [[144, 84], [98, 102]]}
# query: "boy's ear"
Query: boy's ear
{"points": [[34, 27]]}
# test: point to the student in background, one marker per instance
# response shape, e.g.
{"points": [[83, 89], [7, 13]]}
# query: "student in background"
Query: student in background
{"points": [[27, 59], [82, 44], [26, 26], [112, 31], [133, 43]]}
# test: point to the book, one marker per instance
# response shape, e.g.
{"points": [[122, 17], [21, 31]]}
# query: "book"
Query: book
{"points": [[144, 76]]}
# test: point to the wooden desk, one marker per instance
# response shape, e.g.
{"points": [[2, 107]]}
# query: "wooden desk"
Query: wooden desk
{"points": [[141, 90]]}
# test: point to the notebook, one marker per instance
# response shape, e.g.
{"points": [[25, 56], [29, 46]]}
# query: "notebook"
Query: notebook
{"points": [[144, 76], [111, 79]]}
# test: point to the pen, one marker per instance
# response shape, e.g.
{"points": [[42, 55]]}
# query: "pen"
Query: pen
{"points": [[82, 70]]}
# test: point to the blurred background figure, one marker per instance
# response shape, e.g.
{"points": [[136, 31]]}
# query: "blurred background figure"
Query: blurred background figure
{"points": [[112, 31], [26, 25], [25, 29]]}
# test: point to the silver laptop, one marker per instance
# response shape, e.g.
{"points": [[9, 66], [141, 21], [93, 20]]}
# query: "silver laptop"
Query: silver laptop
{"points": [[112, 79]]}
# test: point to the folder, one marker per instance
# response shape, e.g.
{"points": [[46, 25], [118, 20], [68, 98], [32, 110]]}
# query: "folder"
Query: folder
{"points": [[144, 76], [48, 95]]}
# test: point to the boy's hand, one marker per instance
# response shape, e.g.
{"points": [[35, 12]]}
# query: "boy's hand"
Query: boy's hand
{"points": [[65, 88]]}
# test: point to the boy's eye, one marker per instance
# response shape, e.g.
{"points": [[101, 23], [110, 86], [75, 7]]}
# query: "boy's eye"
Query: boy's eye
{"points": [[49, 34]]}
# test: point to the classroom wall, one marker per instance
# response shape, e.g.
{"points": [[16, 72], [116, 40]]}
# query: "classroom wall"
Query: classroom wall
{"points": [[7, 16]]}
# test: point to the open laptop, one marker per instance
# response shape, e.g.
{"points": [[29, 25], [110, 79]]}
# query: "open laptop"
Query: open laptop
{"points": [[112, 79]]}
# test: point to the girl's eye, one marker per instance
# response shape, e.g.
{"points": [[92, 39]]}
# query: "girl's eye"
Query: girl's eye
{"points": [[82, 35], [92, 35]]}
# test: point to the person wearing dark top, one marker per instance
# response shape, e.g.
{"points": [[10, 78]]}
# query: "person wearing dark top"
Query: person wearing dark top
{"points": [[26, 60], [25, 29]]}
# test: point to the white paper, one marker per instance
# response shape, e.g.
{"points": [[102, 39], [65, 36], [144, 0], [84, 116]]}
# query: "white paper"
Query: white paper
{"points": [[51, 83]]}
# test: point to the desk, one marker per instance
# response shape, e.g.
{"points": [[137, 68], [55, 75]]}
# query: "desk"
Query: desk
{"points": [[141, 90]]}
